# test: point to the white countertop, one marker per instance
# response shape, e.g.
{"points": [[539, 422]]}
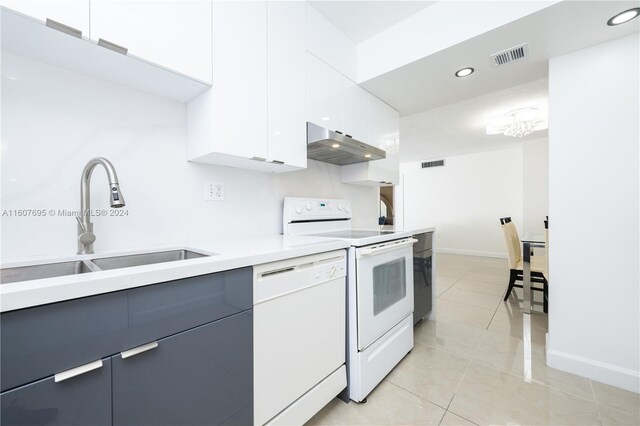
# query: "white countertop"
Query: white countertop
{"points": [[230, 254], [413, 231]]}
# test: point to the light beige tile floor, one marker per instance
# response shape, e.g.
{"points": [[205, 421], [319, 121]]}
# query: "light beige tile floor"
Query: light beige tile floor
{"points": [[474, 366]]}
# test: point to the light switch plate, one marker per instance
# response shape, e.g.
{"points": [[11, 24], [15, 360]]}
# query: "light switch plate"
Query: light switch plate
{"points": [[213, 191]]}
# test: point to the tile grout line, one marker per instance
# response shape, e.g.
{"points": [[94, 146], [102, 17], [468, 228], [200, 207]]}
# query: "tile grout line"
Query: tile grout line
{"points": [[454, 395], [447, 289], [494, 315], [534, 381], [459, 383], [467, 304], [608, 407], [415, 394], [462, 417], [593, 392]]}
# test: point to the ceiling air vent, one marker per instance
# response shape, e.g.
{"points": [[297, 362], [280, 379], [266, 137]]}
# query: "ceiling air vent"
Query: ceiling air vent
{"points": [[436, 163], [510, 55]]}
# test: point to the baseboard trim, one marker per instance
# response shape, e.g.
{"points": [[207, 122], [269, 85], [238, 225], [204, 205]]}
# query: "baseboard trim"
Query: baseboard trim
{"points": [[472, 253], [599, 371]]}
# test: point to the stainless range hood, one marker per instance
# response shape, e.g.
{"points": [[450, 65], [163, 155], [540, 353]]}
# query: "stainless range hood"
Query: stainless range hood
{"points": [[336, 148]]}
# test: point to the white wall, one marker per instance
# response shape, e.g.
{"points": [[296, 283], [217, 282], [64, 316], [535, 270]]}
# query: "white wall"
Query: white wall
{"points": [[465, 198], [535, 168], [328, 43], [594, 291], [54, 120]]}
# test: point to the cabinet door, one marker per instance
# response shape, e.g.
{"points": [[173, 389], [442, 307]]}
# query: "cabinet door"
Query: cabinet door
{"points": [[203, 376], [73, 13], [326, 89], [287, 133], [386, 171], [175, 34], [392, 130], [80, 400], [356, 105], [383, 131], [378, 127], [41, 341], [240, 74]]}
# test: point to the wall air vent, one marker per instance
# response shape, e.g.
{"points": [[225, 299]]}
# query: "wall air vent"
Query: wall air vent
{"points": [[436, 163], [513, 54]]}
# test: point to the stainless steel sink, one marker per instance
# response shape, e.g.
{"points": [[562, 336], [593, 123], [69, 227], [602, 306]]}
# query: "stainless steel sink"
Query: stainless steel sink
{"points": [[36, 272], [117, 262], [49, 270]]}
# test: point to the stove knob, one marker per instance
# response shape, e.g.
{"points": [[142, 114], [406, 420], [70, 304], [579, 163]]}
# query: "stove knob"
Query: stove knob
{"points": [[299, 209], [307, 206], [340, 206], [347, 208]]}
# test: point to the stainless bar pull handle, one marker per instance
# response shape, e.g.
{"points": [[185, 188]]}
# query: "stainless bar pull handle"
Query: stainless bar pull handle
{"points": [[258, 159], [277, 162], [64, 375], [138, 350], [63, 28], [386, 247], [112, 46]]}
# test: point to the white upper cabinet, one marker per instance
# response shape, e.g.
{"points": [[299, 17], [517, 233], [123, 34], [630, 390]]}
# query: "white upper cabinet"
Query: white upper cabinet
{"points": [[355, 112], [326, 89], [286, 71], [229, 121], [175, 34], [162, 58], [253, 116], [384, 127], [334, 101], [72, 13], [384, 133]]}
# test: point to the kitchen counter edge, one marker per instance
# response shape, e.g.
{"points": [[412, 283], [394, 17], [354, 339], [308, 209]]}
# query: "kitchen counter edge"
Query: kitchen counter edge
{"points": [[228, 255]]}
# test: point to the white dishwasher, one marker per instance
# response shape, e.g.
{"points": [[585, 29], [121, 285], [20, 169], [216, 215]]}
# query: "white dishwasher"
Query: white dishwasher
{"points": [[299, 328]]}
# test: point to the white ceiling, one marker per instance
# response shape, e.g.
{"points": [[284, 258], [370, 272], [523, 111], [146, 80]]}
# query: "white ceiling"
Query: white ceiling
{"points": [[562, 28], [443, 115], [459, 128], [360, 20]]}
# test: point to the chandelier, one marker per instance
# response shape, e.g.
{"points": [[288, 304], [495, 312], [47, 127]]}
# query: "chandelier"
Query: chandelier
{"points": [[518, 123]]}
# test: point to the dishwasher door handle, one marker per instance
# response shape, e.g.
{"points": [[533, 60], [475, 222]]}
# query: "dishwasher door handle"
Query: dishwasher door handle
{"points": [[297, 268]]}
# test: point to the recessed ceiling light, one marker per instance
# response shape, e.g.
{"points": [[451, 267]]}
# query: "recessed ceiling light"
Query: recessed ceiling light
{"points": [[335, 145], [367, 155], [326, 118], [464, 72], [623, 17]]}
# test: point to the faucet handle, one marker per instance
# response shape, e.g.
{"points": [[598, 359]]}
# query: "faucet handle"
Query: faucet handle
{"points": [[81, 224], [87, 238]]}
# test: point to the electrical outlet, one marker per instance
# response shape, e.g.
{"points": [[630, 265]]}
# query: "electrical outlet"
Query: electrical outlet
{"points": [[214, 191]]}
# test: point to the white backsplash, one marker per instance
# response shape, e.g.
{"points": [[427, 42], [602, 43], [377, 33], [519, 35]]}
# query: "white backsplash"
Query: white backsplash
{"points": [[55, 120]]}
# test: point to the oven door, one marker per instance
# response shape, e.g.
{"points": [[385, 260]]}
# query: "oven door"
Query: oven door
{"points": [[384, 288]]}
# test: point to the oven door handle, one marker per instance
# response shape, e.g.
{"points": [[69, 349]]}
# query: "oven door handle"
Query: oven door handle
{"points": [[385, 247]]}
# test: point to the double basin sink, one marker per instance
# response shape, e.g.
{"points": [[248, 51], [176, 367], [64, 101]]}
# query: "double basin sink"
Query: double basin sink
{"points": [[49, 270]]}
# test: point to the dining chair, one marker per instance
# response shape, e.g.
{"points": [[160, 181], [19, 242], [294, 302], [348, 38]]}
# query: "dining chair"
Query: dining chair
{"points": [[514, 255], [546, 247]]}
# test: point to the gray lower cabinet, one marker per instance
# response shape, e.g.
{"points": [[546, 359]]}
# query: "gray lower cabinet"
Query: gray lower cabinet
{"points": [[82, 400], [203, 376], [37, 342], [200, 373]]}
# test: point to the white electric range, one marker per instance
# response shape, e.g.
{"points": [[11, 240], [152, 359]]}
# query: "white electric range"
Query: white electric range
{"points": [[380, 288]]}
